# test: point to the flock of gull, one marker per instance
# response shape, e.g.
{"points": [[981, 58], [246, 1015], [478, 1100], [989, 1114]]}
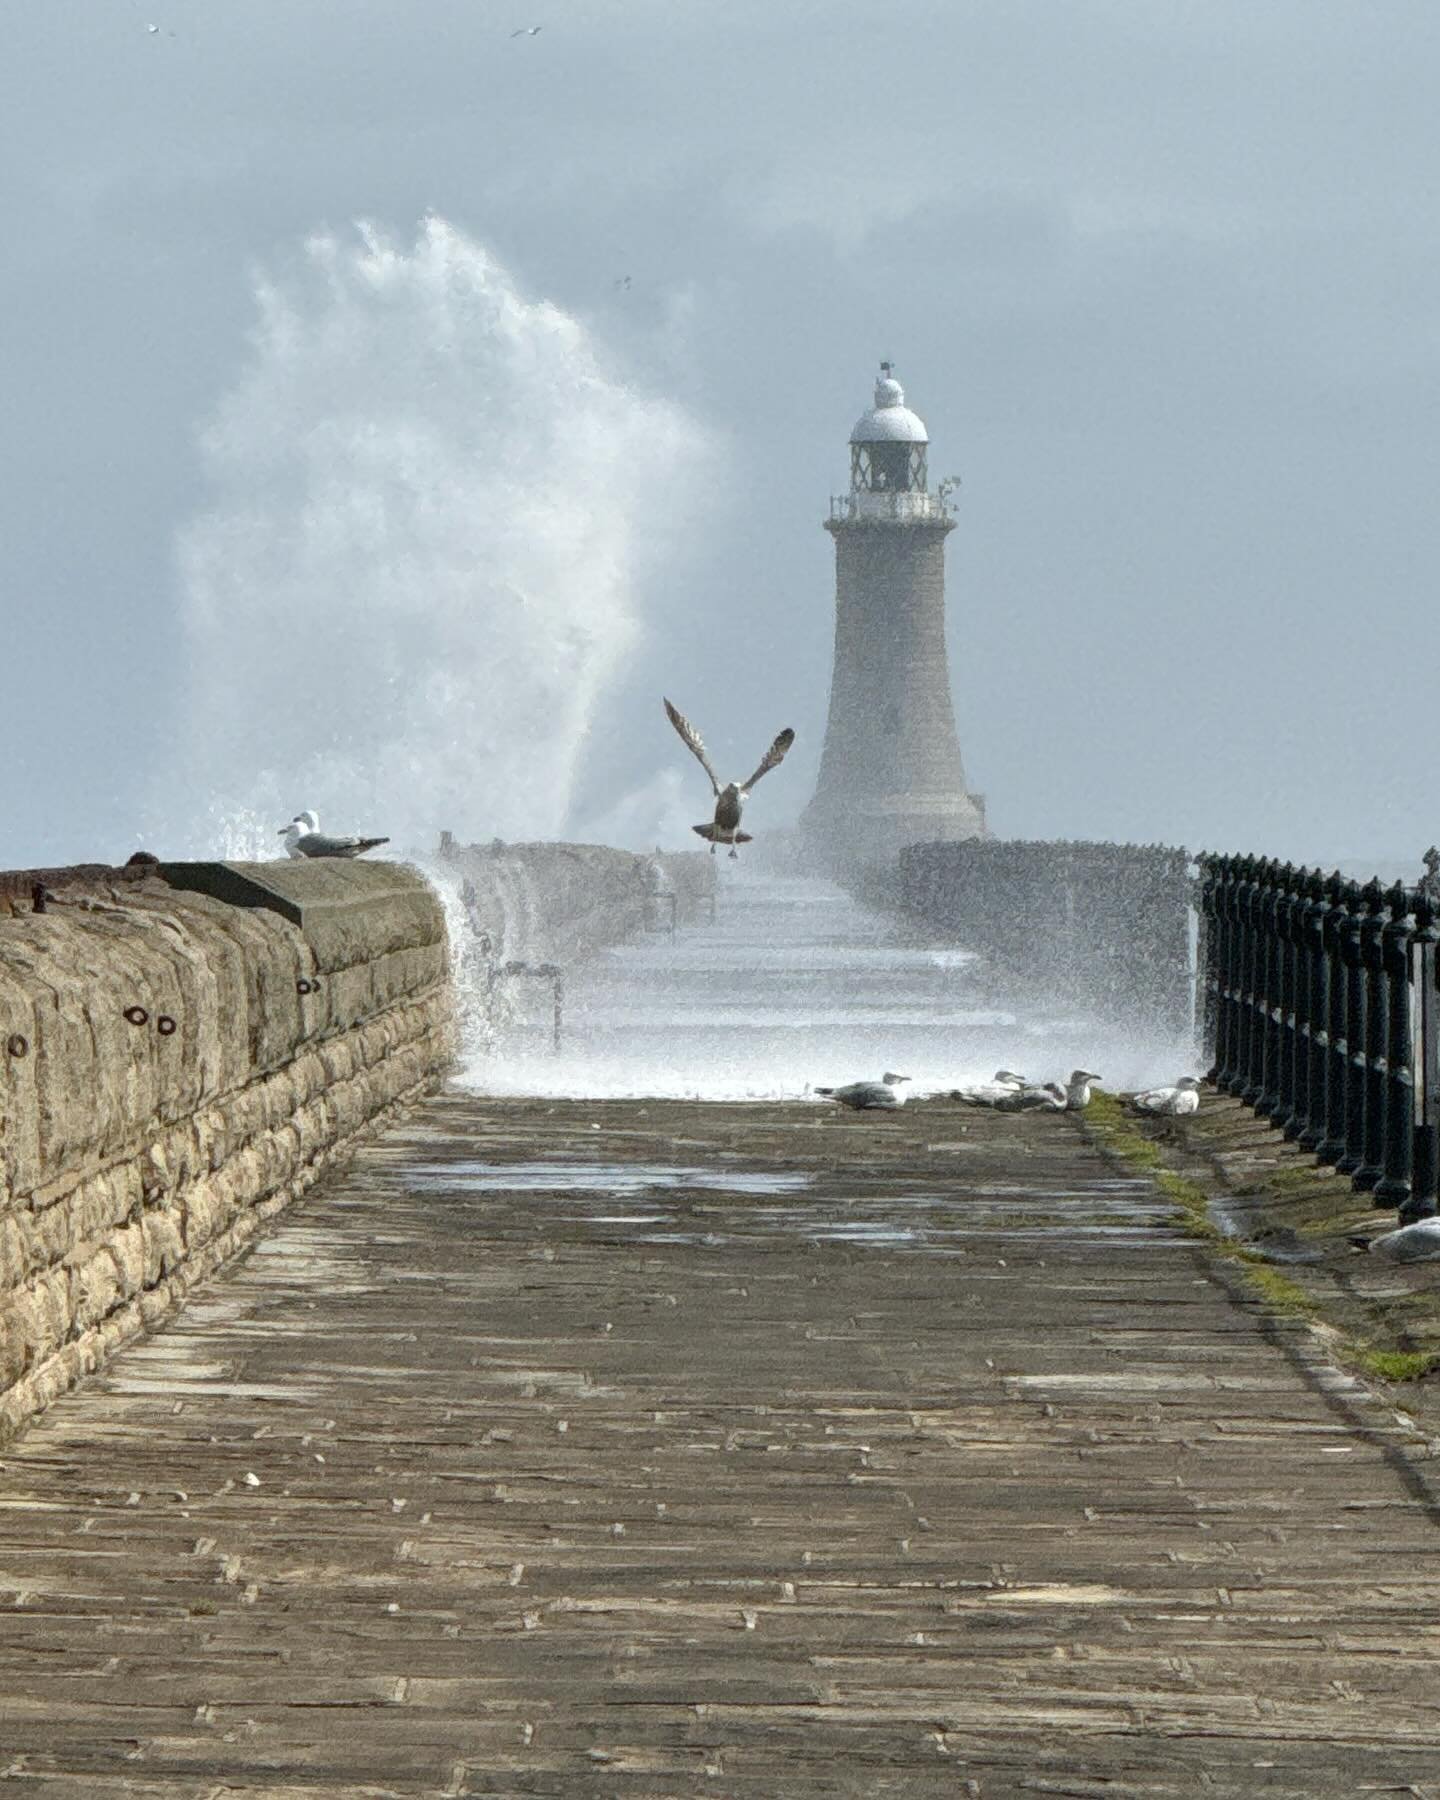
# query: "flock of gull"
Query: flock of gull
{"points": [[1008, 1092]]}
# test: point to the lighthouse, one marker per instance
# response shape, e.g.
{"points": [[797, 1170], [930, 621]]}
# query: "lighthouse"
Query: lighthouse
{"points": [[890, 772]]}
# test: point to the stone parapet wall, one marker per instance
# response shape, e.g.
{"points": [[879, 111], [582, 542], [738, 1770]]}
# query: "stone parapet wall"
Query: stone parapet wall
{"points": [[176, 1067], [557, 902]]}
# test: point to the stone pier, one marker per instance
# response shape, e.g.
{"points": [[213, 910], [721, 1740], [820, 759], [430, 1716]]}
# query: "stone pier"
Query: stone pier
{"points": [[609, 1449]]}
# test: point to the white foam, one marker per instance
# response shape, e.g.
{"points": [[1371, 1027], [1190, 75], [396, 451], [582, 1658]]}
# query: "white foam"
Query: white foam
{"points": [[424, 557]]}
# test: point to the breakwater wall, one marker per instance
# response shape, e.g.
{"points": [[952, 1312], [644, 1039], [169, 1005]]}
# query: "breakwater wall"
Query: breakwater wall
{"points": [[519, 911], [556, 902], [183, 1051], [185, 1048], [1109, 926]]}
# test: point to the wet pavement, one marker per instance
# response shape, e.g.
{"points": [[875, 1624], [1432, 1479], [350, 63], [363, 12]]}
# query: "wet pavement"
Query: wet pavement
{"points": [[658, 1448]]}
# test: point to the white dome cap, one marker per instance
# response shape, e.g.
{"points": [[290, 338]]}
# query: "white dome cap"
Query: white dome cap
{"points": [[890, 420]]}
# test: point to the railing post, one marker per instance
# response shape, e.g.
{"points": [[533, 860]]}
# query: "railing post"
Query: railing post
{"points": [[1225, 973], [1207, 958], [1218, 873], [1282, 1008], [1425, 1040], [1253, 1071], [1352, 1043], [1318, 1047], [1233, 1074], [1292, 1119], [1254, 985], [1377, 1036], [1337, 918], [1397, 1161], [1267, 993]]}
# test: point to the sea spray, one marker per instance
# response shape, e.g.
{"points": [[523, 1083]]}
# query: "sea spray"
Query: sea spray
{"points": [[424, 558]]}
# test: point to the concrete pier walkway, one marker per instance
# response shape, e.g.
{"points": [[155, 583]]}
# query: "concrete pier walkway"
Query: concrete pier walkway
{"points": [[656, 1448]]}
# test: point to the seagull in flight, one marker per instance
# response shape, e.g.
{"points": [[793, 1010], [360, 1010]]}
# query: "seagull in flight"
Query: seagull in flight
{"points": [[528, 31], [303, 837], [724, 828]]}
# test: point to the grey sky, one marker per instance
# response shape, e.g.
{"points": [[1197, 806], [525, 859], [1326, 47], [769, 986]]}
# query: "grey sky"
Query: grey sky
{"points": [[1163, 280]]}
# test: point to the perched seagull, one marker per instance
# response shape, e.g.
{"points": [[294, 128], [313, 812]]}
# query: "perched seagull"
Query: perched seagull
{"points": [[1077, 1090], [303, 837], [863, 1096], [1049, 1098], [989, 1093], [1419, 1242], [729, 800], [1170, 1102]]}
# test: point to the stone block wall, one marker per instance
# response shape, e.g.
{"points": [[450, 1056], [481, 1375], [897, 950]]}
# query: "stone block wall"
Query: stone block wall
{"points": [[182, 1054], [557, 902]]}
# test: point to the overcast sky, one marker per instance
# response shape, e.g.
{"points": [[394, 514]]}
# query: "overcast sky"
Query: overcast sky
{"points": [[1163, 280]]}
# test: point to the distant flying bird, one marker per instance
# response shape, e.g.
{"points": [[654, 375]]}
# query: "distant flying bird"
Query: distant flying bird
{"points": [[303, 837], [622, 281], [528, 31], [1170, 1102], [867, 1096], [730, 799], [154, 30], [989, 1093]]}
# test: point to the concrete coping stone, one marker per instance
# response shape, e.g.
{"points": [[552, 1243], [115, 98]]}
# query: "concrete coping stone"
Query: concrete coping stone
{"points": [[349, 912]]}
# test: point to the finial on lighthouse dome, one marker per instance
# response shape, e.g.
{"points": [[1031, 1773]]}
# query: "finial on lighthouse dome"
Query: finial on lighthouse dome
{"points": [[890, 420]]}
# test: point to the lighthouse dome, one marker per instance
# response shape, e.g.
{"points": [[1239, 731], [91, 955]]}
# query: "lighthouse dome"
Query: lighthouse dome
{"points": [[890, 420]]}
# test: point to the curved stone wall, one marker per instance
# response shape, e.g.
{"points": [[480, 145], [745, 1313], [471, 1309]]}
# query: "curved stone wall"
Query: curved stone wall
{"points": [[181, 1055]]}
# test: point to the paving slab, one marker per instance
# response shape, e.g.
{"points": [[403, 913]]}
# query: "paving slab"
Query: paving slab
{"points": [[663, 1448]]}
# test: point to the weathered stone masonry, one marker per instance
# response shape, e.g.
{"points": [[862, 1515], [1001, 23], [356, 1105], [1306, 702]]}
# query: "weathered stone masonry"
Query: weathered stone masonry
{"points": [[177, 1068]]}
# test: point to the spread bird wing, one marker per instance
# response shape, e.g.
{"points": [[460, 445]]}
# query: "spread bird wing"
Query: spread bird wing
{"points": [[693, 742], [774, 755]]}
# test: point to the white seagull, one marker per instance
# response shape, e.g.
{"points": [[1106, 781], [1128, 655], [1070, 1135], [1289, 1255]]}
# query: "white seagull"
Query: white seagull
{"points": [[1002, 1084], [1048, 1098], [1077, 1090], [1170, 1102], [303, 837], [528, 31], [1419, 1242], [724, 828], [863, 1096]]}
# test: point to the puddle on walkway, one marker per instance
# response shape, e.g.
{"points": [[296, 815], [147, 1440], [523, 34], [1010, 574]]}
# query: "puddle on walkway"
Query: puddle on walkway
{"points": [[662, 1203], [601, 1178]]}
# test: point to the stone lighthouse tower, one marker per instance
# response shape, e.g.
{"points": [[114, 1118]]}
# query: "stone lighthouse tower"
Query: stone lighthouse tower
{"points": [[890, 773]]}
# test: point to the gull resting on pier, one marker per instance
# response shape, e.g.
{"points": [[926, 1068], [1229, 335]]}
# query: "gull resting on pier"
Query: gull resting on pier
{"points": [[865, 1096], [1002, 1084], [303, 837], [1169, 1102], [1419, 1242]]}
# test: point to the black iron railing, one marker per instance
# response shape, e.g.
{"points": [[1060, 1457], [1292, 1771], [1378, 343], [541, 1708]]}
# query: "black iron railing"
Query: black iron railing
{"points": [[1320, 1010]]}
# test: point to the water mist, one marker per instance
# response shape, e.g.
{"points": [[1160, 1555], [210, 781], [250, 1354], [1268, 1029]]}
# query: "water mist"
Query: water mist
{"points": [[422, 563]]}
